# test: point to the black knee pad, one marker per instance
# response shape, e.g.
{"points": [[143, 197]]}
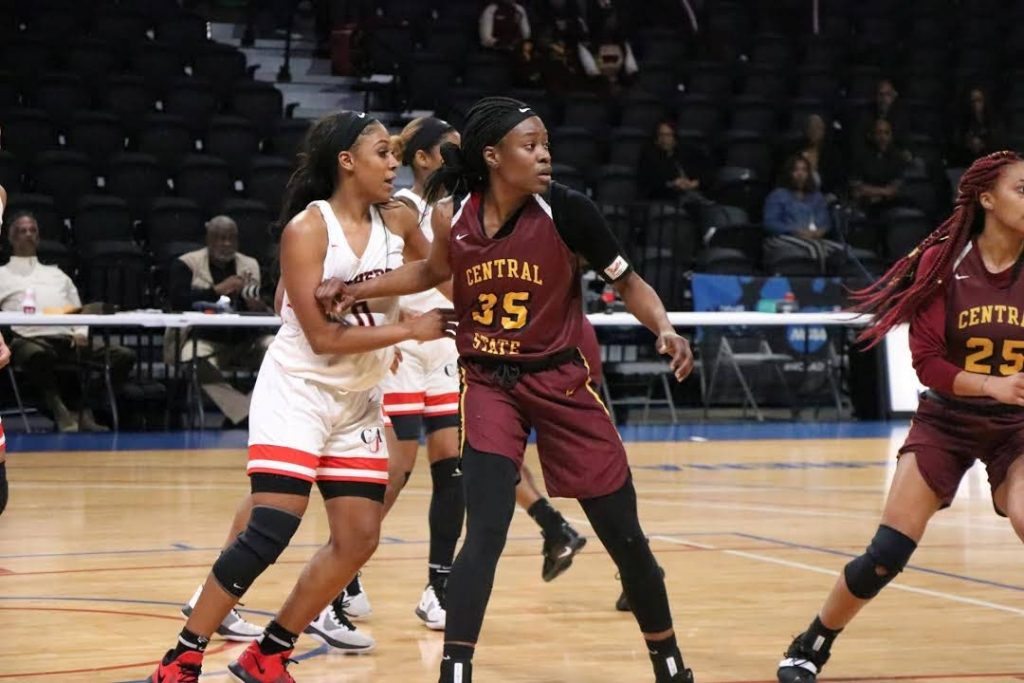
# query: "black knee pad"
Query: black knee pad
{"points": [[445, 474], [3, 487], [267, 535], [889, 551], [407, 427]]}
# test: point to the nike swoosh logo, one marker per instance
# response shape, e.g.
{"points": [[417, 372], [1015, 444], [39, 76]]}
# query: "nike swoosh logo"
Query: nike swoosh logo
{"points": [[237, 587], [462, 236], [960, 277], [524, 110], [361, 114], [566, 552]]}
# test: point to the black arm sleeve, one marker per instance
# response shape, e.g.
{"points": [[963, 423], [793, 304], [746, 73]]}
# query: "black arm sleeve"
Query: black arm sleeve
{"points": [[179, 288], [584, 230]]}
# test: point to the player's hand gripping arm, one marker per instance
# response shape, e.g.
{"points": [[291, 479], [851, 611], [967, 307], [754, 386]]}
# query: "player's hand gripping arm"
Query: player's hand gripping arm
{"points": [[417, 276], [643, 302], [303, 247]]}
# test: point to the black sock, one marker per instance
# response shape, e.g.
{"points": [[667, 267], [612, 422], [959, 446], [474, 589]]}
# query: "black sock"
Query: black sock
{"points": [[353, 587], [276, 639], [548, 518], [818, 638], [438, 577], [666, 658], [447, 510], [189, 642], [459, 653], [3, 486]]}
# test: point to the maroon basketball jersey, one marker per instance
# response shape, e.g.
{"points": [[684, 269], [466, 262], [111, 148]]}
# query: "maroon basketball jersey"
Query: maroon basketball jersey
{"points": [[984, 317], [517, 294]]}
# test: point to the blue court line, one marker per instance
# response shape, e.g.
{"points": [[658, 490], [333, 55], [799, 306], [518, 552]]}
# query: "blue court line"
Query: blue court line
{"points": [[120, 601], [914, 567], [390, 540], [238, 439], [752, 466]]}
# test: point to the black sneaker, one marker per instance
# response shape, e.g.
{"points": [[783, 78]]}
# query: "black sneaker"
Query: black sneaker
{"points": [[801, 664], [684, 676], [454, 671], [559, 551]]}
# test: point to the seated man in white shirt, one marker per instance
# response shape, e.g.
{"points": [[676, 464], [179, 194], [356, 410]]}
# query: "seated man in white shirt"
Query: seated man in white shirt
{"points": [[38, 350]]}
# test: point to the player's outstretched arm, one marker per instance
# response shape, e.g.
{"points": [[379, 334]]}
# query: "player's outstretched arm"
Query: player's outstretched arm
{"points": [[417, 276], [303, 247], [643, 302]]}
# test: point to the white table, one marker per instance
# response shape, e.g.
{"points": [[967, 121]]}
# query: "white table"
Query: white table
{"points": [[687, 319]]}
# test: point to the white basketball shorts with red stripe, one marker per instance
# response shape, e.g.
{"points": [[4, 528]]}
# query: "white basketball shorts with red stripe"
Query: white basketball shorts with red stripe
{"points": [[305, 430], [427, 381]]}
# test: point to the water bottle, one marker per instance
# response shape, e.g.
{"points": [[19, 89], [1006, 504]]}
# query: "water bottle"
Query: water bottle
{"points": [[787, 304], [28, 302]]}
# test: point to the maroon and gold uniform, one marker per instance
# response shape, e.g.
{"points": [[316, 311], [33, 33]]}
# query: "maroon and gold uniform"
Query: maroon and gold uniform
{"points": [[518, 298], [974, 324]]}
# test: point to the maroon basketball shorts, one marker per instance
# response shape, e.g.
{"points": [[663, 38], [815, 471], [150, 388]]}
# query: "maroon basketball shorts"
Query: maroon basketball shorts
{"points": [[581, 453], [948, 437]]}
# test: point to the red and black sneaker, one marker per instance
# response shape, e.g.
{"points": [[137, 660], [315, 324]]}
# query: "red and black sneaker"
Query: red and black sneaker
{"points": [[185, 668], [252, 666]]}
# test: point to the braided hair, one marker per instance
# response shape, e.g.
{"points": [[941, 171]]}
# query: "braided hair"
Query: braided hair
{"points": [[895, 297], [464, 169]]}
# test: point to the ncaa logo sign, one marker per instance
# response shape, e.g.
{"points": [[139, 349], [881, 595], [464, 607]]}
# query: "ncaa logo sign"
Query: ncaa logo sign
{"points": [[372, 438]]}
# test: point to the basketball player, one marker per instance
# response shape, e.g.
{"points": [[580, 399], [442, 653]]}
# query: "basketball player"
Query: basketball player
{"points": [[315, 408], [5, 358], [512, 240], [423, 395], [962, 293]]}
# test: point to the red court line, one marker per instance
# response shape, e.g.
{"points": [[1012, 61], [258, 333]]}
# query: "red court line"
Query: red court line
{"points": [[33, 674]]}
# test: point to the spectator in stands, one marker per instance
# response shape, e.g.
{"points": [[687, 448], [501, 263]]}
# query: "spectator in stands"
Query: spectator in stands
{"points": [[608, 56], [823, 156], [664, 174], [875, 182], [796, 215], [503, 25], [38, 350], [216, 270], [562, 20], [979, 130], [887, 106]]}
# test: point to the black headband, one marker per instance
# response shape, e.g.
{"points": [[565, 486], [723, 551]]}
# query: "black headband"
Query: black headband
{"points": [[426, 137], [506, 122], [351, 126]]}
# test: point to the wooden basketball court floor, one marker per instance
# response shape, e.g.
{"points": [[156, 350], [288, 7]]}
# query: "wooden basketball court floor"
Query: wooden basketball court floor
{"points": [[98, 549]]}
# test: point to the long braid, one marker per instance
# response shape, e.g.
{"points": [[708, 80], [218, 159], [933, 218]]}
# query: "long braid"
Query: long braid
{"points": [[895, 297]]}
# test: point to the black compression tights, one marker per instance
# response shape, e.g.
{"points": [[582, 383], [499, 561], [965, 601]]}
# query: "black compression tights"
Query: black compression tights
{"points": [[490, 485], [614, 518], [490, 482]]}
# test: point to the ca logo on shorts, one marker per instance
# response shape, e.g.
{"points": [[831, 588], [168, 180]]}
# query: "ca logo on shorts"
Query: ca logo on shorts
{"points": [[451, 370], [372, 438]]}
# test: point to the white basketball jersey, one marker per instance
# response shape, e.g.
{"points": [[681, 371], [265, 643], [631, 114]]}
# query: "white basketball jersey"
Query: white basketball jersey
{"points": [[345, 372], [422, 301]]}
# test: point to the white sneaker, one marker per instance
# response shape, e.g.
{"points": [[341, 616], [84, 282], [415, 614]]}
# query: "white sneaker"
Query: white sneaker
{"points": [[233, 628], [355, 602], [430, 611], [337, 632]]}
